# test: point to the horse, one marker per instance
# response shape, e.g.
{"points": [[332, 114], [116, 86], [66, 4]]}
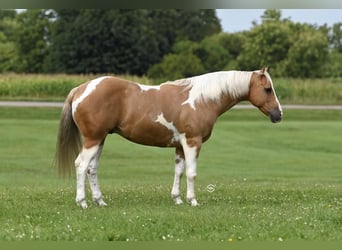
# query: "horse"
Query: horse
{"points": [[179, 114]]}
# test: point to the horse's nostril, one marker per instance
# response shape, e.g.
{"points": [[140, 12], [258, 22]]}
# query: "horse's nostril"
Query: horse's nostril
{"points": [[275, 116]]}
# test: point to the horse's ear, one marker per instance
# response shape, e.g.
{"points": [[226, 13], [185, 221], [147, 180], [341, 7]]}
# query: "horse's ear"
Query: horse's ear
{"points": [[264, 69]]}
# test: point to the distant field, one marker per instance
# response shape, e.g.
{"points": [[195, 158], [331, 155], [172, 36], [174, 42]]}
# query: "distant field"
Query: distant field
{"points": [[56, 88], [46, 87], [269, 182]]}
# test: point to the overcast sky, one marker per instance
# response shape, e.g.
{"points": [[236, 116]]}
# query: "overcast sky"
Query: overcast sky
{"points": [[233, 20]]}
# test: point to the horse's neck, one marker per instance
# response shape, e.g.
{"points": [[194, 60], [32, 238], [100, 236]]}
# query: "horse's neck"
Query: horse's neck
{"points": [[227, 103], [237, 91], [224, 89]]}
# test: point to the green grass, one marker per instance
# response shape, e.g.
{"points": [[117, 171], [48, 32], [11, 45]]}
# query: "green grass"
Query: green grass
{"points": [[272, 182]]}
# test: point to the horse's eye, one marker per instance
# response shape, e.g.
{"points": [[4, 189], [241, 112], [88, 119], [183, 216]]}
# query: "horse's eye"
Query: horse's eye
{"points": [[268, 90]]}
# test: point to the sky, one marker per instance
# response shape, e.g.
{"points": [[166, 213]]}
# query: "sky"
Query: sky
{"points": [[234, 20]]}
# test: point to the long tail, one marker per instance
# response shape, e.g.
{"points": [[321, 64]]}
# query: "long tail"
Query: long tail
{"points": [[68, 140]]}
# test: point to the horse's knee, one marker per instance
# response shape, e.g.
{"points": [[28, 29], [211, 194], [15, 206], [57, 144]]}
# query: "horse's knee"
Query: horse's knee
{"points": [[92, 170], [191, 174], [179, 169]]}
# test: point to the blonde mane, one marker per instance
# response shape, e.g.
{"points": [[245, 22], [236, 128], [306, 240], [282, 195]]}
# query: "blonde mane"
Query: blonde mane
{"points": [[212, 86]]}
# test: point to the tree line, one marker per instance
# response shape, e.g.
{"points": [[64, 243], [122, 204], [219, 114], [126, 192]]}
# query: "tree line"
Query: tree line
{"points": [[163, 44]]}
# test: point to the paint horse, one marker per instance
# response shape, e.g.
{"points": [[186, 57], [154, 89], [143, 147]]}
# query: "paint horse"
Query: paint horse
{"points": [[179, 114]]}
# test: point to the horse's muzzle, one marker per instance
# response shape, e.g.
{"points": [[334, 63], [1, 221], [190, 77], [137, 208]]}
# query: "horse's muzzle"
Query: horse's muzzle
{"points": [[276, 115]]}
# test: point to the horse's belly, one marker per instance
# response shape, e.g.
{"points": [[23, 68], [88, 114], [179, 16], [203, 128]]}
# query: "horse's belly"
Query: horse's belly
{"points": [[155, 135], [151, 138]]}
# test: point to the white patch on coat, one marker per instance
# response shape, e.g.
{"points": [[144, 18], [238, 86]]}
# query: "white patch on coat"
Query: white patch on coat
{"points": [[89, 89], [148, 87], [169, 125], [212, 86]]}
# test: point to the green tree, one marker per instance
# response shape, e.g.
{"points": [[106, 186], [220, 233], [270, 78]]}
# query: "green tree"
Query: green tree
{"points": [[8, 23], [271, 15], [189, 58], [8, 52], [336, 37], [232, 42], [291, 49], [94, 41], [197, 24], [308, 54], [32, 39], [212, 53], [7, 14], [266, 44], [176, 66], [173, 25], [122, 41], [8, 55], [179, 64], [333, 66]]}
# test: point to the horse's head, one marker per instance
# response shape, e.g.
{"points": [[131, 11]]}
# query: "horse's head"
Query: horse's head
{"points": [[263, 96]]}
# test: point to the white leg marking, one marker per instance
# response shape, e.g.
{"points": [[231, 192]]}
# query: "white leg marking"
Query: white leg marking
{"points": [[93, 180], [89, 89], [82, 163], [190, 154], [179, 169]]}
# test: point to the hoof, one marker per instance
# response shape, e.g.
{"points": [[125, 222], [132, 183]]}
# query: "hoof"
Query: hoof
{"points": [[101, 203], [178, 200], [193, 203], [82, 204]]}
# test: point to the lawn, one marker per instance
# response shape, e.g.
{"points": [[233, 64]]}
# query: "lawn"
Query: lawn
{"points": [[256, 181]]}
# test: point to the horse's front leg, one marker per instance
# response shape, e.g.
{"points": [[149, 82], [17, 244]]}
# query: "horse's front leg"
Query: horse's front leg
{"points": [[191, 148], [179, 169]]}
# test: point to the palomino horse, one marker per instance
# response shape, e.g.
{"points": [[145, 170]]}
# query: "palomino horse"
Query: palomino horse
{"points": [[179, 114]]}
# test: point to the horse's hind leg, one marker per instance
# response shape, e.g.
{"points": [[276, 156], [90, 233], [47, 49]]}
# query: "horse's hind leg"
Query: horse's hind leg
{"points": [[93, 180], [179, 169], [86, 158]]}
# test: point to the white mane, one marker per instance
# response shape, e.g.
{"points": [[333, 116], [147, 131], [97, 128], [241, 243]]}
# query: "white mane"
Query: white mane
{"points": [[212, 86]]}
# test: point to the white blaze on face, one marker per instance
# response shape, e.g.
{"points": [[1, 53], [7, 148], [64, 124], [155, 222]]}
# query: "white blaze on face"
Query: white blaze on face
{"points": [[89, 89], [169, 125], [275, 94]]}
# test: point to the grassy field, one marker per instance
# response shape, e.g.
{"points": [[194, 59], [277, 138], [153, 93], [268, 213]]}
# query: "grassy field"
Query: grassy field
{"points": [[56, 87], [269, 182], [47, 87]]}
